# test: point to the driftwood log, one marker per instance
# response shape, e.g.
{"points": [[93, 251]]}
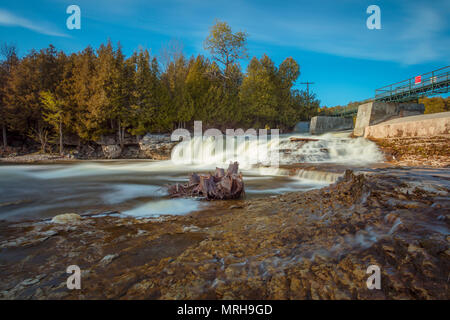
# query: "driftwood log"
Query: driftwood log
{"points": [[220, 186], [293, 139]]}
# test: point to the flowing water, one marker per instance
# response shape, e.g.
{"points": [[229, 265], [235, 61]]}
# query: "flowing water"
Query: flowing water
{"points": [[138, 188]]}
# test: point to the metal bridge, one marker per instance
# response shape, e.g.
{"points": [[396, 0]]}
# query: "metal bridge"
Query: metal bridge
{"points": [[427, 84]]}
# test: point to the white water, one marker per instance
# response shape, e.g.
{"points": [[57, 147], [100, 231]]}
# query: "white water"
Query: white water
{"points": [[138, 188], [330, 148]]}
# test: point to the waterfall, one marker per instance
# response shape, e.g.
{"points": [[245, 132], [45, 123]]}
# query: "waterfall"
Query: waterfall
{"points": [[329, 148]]}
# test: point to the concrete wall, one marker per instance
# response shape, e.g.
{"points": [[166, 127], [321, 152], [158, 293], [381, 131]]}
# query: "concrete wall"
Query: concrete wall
{"points": [[302, 127], [322, 124], [372, 113], [426, 125]]}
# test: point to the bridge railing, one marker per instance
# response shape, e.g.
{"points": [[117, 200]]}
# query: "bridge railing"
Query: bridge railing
{"points": [[427, 81]]}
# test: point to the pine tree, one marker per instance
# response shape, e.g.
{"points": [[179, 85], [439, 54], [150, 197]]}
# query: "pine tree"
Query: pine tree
{"points": [[81, 87], [174, 80], [225, 46]]}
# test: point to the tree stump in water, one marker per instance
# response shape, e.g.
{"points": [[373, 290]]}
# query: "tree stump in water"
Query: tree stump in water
{"points": [[220, 186]]}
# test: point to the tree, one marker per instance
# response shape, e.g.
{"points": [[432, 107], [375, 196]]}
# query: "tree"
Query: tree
{"points": [[105, 95], [174, 81], [36, 72], [289, 71], [225, 46], [150, 110], [96, 92], [81, 88], [435, 104], [122, 97], [40, 135], [197, 86], [170, 52], [258, 93], [9, 54], [306, 105], [53, 114]]}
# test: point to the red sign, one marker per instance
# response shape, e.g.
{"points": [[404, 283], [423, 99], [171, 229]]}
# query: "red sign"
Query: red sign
{"points": [[418, 79]]}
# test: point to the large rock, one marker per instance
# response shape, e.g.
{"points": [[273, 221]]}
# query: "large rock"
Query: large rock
{"points": [[66, 218], [156, 146], [106, 140], [112, 151]]}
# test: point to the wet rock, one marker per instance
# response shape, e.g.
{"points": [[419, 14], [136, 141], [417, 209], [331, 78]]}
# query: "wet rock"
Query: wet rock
{"points": [[66, 218], [108, 259], [191, 228], [156, 146], [314, 245]]}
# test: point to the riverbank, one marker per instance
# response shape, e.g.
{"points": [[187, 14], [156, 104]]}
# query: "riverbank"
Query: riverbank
{"points": [[150, 147], [36, 158], [416, 151], [301, 245]]}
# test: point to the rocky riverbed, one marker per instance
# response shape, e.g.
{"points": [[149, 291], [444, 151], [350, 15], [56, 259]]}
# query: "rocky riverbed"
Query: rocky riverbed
{"points": [[301, 245], [417, 151]]}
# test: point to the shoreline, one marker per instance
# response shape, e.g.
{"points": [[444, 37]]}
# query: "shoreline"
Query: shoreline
{"points": [[61, 159], [411, 152]]}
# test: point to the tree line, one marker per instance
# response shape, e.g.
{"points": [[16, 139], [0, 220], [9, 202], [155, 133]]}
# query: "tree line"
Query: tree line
{"points": [[49, 93], [436, 104]]}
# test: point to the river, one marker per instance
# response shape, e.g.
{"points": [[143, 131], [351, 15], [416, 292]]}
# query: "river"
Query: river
{"points": [[138, 187]]}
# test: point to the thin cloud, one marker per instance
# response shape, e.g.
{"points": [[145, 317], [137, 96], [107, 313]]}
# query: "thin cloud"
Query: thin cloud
{"points": [[412, 32], [9, 19], [415, 34]]}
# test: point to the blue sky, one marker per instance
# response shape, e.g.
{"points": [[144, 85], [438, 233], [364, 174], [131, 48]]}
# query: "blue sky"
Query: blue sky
{"points": [[329, 39]]}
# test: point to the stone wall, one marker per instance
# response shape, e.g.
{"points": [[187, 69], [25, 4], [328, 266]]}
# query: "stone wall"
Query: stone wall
{"points": [[372, 113], [323, 124]]}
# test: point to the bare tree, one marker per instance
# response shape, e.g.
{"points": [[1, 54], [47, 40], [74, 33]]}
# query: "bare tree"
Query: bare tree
{"points": [[170, 52], [41, 136]]}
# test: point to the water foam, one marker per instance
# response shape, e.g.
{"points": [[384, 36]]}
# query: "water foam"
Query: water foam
{"points": [[329, 148]]}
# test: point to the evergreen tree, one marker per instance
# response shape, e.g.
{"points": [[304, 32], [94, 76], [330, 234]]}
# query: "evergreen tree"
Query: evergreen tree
{"points": [[9, 61], [258, 93], [96, 92], [174, 80], [53, 114]]}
